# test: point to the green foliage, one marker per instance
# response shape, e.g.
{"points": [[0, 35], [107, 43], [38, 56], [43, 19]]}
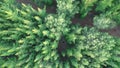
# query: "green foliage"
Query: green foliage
{"points": [[102, 5], [68, 7], [109, 8], [21, 29], [45, 2], [53, 21], [92, 48], [103, 22], [114, 13], [8, 62], [85, 7], [49, 2], [114, 61], [29, 38]]}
